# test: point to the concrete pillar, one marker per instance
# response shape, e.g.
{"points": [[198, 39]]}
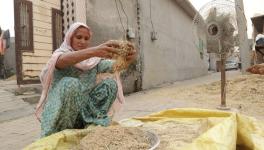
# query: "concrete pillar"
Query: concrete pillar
{"points": [[243, 38]]}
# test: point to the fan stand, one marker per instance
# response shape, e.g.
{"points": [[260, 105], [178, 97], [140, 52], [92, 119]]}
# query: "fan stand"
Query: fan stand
{"points": [[223, 84], [223, 80], [218, 22]]}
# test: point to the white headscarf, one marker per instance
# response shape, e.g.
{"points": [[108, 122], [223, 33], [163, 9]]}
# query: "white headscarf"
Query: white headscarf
{"points": [[66, 47]]}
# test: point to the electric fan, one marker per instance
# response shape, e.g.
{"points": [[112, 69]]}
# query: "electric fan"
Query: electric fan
{"points": [[216, 24]]}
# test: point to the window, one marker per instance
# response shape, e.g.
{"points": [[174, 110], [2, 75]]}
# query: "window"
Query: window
{"points": [[57, 34], [24, 24]]}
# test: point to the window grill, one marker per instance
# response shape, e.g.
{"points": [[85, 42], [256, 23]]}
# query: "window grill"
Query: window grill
{"points": [[24, 25], [57, 32]]}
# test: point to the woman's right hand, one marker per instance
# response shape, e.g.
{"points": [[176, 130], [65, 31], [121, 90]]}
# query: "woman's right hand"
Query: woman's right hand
{"points": [[106, 50]]}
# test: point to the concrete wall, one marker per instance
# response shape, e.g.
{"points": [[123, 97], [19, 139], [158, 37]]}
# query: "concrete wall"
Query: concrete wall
{"points": [[173, 56], [103, 18]]}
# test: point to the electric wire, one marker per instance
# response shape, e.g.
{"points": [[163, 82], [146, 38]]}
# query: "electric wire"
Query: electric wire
{"points": [[124, 11], [150, 12], [120, 19]]}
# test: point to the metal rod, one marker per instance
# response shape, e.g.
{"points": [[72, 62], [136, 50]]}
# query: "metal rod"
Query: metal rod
{"points": [[223, 81]]}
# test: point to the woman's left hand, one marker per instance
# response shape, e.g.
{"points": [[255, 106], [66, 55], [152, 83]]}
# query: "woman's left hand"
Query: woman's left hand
{"points": [[131, 56]]}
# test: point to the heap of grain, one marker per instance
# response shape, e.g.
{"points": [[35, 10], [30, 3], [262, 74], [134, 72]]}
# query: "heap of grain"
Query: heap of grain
{"points": [[172, 134], [245, 88], [246, 93], [177, 134], [256, 69], [123, 50], [115, 138]]}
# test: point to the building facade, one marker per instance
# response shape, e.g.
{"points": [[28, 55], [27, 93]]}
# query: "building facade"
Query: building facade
{"points": [[160, 29]]}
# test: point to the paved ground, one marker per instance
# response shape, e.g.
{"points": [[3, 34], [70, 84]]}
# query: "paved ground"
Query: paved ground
{"points": [[18, 126]]}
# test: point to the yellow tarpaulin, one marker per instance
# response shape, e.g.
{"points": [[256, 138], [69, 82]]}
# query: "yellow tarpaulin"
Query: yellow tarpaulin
{"points": [[222, 131]]}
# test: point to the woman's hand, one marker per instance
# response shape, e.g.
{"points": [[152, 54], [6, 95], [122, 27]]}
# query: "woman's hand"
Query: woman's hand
{"points": [[106, 50], [131, 55]]}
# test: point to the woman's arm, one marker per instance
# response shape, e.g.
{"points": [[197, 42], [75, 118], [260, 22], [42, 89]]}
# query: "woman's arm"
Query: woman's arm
{"points": [[105, 50]]}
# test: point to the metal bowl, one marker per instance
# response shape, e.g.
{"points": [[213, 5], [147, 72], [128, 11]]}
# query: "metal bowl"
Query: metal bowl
{"points": [[154, 140]]}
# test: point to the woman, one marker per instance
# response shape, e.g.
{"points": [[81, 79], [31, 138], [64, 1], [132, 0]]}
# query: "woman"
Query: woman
{"points": [[70, 97]]}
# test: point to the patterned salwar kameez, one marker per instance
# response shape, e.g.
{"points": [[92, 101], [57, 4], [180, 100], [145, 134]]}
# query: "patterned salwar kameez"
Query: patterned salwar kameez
{"points": [[75, 101]]}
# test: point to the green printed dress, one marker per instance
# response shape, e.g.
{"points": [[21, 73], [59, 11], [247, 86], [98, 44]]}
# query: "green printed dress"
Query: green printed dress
{"points": [[75, 100]]}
